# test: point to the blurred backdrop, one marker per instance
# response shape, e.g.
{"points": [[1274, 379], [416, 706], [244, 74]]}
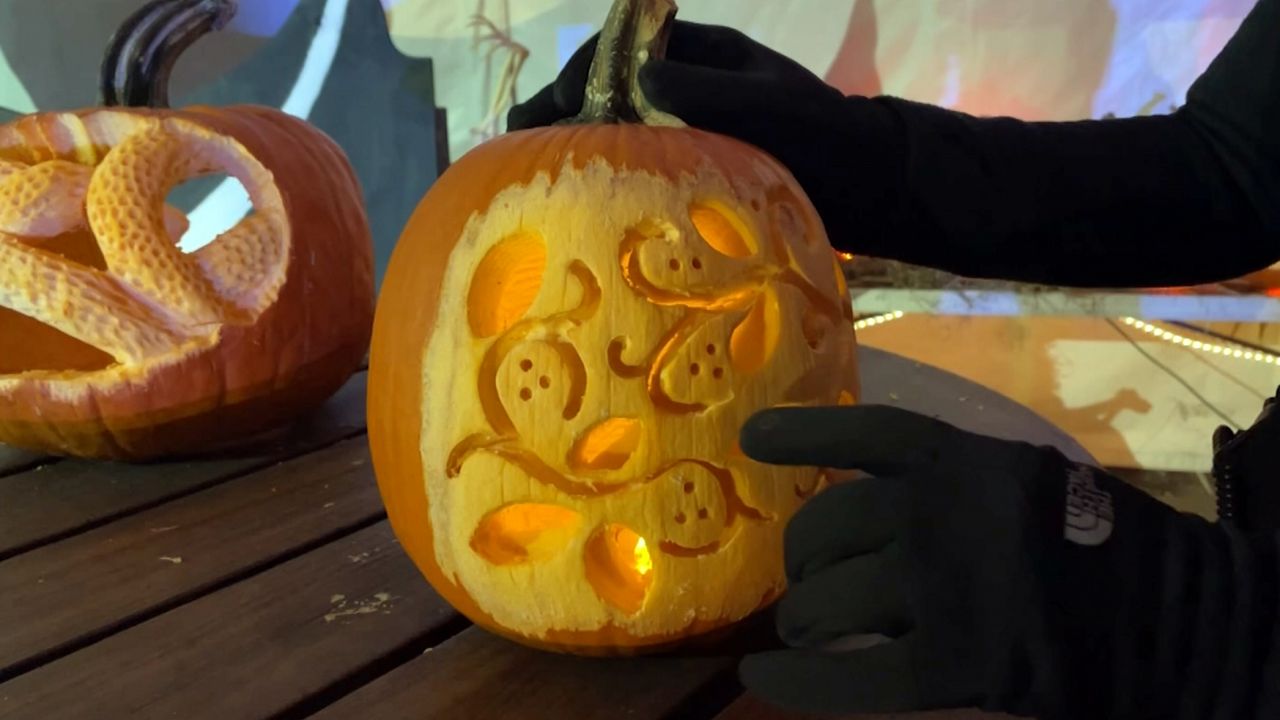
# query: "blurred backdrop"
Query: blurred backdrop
{"points": [[1030, 58]]}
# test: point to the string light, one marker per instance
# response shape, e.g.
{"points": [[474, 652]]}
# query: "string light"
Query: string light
{"points": [[1209, 347], [867, 322], [1205, 346]]}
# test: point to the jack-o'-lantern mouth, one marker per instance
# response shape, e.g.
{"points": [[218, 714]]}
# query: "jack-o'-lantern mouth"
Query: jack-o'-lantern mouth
{"points": [[91, 273]]}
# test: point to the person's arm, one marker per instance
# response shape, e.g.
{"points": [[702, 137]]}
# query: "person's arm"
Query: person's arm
{"points": [[1268, 703], [1002, 576], [1176, 199], [1180, 199]]}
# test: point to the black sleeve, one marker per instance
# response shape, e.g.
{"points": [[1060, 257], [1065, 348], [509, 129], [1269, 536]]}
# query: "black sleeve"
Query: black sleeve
{"points": [[1267, 675], [1180, 199]]}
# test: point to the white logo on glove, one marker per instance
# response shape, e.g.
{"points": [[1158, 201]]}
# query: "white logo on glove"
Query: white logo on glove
{"points": [[1090, 510]]}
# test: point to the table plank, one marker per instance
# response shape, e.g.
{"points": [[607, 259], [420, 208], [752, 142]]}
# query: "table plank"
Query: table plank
{"points": [[749, 707], [13, 460], [51, 502], [260, 648], [494, 678], [67, 594]]}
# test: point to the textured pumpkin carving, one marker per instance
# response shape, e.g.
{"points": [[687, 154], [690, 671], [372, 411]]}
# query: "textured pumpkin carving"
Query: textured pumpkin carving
{"points": [[114, 342], [574, 327]]}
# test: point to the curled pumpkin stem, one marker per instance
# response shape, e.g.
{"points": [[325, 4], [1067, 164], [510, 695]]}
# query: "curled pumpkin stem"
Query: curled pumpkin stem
{"points": [[635, 32], [142, 53]]}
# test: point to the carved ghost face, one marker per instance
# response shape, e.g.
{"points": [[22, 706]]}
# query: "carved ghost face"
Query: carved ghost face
{"points": [[600, 340]]}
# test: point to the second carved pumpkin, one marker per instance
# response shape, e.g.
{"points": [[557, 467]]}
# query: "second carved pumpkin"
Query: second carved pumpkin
{"points": [[116, 343]]}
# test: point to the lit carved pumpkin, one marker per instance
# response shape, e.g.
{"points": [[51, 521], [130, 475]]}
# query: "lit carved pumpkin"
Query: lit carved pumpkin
{"points": [[116, 343], [573, 328]]}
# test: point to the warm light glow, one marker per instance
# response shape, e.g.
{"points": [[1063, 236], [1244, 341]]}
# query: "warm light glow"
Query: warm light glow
{"points": [[877, 320], [607, 445], [1148, 328], [754, 341], [524, 532], [644, 562], [1209, 347], [506, 283], [722, 229], [846, 257], [619, 567]]}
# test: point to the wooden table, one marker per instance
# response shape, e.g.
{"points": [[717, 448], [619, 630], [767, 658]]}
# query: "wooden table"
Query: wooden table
{"points": [[267, 584]]}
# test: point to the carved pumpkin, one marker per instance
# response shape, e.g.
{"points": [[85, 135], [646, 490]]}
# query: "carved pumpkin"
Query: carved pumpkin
{"points": [[573, 328], [114, 342]]}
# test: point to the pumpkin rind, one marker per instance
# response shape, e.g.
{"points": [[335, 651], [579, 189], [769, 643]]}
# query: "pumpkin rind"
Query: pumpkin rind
{"points": [[494, 192]]}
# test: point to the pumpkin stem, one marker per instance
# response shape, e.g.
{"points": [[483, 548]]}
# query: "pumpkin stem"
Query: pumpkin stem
{"points": [[142, 53], [635, 32]]}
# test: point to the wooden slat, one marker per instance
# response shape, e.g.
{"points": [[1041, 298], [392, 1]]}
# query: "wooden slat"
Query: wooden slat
{"points": [[69, 593], [54, 501], [751, 708], [256, 649], [479, 676], [13, 460]]}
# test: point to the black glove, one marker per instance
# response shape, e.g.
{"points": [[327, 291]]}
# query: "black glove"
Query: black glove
{"points": [[1003, 577], [1246, 466], [842, 151]]}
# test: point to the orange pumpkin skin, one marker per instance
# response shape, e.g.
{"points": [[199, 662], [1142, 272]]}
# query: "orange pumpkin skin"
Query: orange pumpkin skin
{"points": [[248, 374], [408, 312]]}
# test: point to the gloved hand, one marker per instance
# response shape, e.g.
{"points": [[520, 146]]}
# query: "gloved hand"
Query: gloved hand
{"points": [[1002, 576], [1245, 467], [847, 153]]}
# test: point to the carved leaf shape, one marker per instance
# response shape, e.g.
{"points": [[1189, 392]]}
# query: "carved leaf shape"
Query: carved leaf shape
{"points": [[506, 283], [723, 229], [607, 445], [619, 567], [755, 339], [525, 532]]}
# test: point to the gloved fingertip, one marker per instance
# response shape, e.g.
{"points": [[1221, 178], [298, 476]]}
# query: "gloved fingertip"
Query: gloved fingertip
{"points": [[1221, 436], [757, 435], [791, 630]]}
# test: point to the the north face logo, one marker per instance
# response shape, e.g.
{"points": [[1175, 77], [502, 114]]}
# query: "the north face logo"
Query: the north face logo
{"points": [[1090, 510]]}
